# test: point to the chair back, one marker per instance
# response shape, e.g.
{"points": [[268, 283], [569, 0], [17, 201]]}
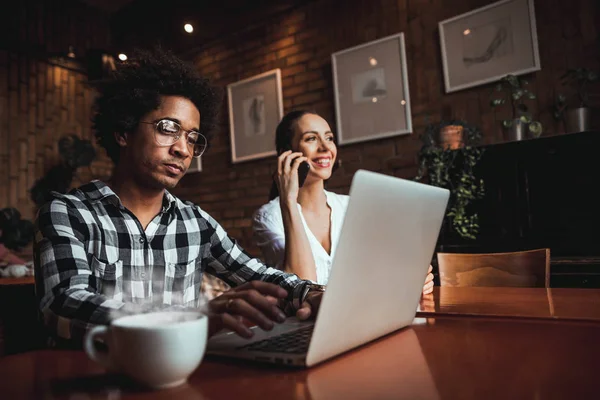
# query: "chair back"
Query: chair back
{"points": [[517, 269]]}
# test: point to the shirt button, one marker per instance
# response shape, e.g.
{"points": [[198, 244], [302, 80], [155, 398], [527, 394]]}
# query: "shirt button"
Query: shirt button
{"points": [[141, 240], [143, 275]]}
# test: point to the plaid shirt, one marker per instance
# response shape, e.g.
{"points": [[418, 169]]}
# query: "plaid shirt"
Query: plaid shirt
{"points": [[94, 260]]}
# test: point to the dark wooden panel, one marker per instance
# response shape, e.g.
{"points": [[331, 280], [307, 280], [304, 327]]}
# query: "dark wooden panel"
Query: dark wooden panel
{"points": [[539, 193]]}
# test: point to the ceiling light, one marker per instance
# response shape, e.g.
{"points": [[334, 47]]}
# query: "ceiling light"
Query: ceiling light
{"points": [[188, 28], [122, 57]]}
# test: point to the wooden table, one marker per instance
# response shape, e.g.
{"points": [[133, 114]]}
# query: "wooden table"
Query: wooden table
{"points": [[559, 303], [435, 358], [26, 280]]}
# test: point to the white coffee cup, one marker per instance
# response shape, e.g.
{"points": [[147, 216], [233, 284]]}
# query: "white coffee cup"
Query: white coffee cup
{"points": [[159, 349]]}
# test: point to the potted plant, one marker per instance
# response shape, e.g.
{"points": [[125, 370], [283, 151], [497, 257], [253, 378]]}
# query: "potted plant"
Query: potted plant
{"points": [[578, 118], [513, 90], [451, 166]]}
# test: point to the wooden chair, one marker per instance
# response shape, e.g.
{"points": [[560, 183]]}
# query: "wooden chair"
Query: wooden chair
{"points": [[519, 269]]}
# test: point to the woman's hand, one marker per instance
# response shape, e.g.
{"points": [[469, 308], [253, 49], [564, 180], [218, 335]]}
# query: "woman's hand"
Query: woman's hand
{"points": [[287, 175], [428, 285]]}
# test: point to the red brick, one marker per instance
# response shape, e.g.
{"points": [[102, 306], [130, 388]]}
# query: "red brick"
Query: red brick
{"points": [[307, 98], [289, 81], [291, 71], [318, 84], [233, 214], [204, 60], [294, 18], [288, 51], [294, 90], [280, 44], [298, 58], [307, 77]]}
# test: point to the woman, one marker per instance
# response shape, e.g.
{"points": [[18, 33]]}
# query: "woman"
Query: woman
{"points": [[298, 230]]}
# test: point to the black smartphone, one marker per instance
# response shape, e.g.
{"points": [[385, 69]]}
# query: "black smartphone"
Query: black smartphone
{"points": [[303, 169]]}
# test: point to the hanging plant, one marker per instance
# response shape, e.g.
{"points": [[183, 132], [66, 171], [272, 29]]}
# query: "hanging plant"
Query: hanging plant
{"points": [[450, 165]]}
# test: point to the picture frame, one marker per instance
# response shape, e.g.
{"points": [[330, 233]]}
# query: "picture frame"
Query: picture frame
{"points": [[196, 165], [372, 98], [255, 109], [488, 43]]}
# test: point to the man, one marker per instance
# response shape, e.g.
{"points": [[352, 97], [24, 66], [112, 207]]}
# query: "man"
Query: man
{"points": [[128, 245]]}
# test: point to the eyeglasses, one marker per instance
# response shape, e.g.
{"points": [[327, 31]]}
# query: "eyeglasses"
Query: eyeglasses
{"points": [[168, 132]]}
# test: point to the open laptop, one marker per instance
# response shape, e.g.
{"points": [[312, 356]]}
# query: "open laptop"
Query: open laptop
{"points": [[386, 244]]}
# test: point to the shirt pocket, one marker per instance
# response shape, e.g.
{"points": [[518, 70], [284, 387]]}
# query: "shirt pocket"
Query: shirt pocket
{"points": [[109, 278], [182, 283]]}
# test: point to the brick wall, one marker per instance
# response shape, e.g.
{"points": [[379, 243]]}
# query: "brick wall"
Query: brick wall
{"points": [[41, 101], [301, 42]]}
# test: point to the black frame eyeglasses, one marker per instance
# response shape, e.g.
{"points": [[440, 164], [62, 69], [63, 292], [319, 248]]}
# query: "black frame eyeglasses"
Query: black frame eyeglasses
{"points": [[167, 132]]}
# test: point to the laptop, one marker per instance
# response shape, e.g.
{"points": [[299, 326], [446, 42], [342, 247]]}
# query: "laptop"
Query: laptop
{"points": [[386, 244]]}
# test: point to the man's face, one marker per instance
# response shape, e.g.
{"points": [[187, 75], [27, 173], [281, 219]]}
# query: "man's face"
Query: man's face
{"points": [[151, 164]]}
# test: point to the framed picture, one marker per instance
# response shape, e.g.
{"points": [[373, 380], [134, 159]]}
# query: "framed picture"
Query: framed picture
{"points": [[489, 43], [255, 109], [372, 100], [196, 165]]}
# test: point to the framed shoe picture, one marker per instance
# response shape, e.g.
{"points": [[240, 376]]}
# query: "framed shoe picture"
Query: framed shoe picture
{"points": [[255, 109], [486, 44], [372, 98]]}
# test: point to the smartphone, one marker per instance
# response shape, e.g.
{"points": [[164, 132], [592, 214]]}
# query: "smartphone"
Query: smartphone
{"points": [[303, 169]]}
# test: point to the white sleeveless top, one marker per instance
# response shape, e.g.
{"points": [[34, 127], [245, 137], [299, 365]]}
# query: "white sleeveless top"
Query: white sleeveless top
{"points": [[269, 233]]}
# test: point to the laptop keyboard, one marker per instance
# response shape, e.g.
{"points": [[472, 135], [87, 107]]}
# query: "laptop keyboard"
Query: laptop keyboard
{"points": [[295, 342]]}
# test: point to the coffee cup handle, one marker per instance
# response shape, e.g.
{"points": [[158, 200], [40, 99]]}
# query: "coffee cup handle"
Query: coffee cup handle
{"points": [[102, 358]]}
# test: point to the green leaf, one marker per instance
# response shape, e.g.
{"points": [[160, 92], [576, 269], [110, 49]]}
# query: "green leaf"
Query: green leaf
{"points": [[535, 127], [512, 80], [525, 118], [517, 94], [531, 96], [507, 123]]}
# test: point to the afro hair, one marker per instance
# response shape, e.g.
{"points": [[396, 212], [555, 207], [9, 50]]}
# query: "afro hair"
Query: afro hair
{"points": [[136, 88]]}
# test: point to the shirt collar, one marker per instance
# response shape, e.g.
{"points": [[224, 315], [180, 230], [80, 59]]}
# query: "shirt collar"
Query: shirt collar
{"points": [[98, 191]]}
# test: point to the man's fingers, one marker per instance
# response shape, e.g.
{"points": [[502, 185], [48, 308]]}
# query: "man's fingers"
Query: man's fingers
{"points": [[272, 300], [236, 325], [262, 304], [265, 288], [254, 315]]}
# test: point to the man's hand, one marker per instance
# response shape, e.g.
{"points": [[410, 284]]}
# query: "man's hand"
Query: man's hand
{"points": [[428, 286], [310, 306], [255, 302]]}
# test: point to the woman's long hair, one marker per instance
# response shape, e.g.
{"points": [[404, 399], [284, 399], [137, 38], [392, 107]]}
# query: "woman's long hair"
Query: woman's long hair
{"points": [[283, 138]]}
